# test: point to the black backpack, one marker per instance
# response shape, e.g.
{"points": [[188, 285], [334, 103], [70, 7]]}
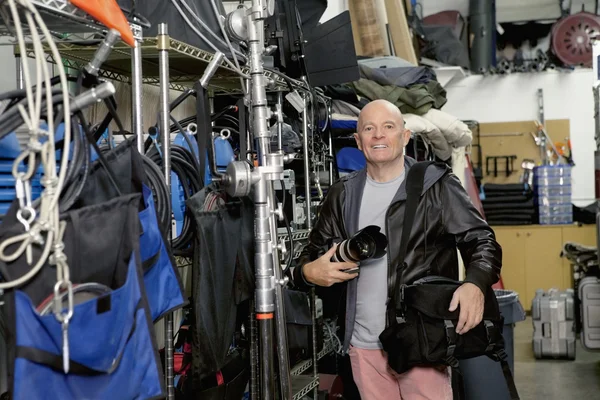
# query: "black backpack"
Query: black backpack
{"points": [[420, 330]]}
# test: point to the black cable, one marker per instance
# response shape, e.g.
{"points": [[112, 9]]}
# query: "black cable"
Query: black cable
{"points": [[160, 191], [228, 118], [284, 76], [183, 164], [195, 161], [11, 119], [79, 164]]}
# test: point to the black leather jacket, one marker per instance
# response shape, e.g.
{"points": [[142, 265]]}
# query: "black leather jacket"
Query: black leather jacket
{"points": [[446, 219]]}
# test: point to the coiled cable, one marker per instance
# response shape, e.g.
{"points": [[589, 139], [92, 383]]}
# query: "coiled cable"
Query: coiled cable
{"points": [[160, 192], [183, 164]]}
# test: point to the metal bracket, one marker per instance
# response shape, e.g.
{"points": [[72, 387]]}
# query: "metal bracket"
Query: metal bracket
{"points": [[137, 31]]}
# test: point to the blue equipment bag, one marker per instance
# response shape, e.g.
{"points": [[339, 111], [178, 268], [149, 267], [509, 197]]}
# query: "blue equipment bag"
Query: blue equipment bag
{"points": [[162, 280], [350, 159], [112, 348]]}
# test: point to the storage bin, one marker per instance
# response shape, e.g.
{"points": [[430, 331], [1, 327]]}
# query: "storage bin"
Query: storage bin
{"points": [[552, 181], [553, 191], [547, 201], [556, 219], [553, 171], [483, 378]]}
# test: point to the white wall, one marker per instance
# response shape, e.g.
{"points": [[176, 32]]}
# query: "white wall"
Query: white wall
{"points": [[567, 95]]}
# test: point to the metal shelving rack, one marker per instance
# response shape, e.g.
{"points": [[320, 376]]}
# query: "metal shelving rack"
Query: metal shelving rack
{"points": [[186, 65], [168, 63]]}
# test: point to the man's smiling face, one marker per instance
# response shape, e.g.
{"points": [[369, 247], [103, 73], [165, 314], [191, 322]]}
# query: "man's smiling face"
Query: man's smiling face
{"points": [[381, 134]]}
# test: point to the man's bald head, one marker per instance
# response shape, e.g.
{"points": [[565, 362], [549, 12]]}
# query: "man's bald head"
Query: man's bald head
{"points": [[381, 136], [378, 106]]}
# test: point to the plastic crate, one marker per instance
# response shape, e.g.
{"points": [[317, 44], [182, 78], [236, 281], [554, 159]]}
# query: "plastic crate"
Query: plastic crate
{"points": [[553, 181], [549, 171], [556, 219], [553, 191], [547, 201], [563, 209]]}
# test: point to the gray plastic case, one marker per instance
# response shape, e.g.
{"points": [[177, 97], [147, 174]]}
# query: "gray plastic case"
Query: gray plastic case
{"points": [[589, 296], [553, 315]]}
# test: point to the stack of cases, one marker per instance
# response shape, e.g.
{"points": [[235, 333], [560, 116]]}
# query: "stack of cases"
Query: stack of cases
{"points": [[552, 188]]}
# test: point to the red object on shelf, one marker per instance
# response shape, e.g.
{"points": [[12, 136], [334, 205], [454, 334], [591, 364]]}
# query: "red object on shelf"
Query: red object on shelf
{"points": [[473, 192], [471, 186], [498, 285], [109, 13]]}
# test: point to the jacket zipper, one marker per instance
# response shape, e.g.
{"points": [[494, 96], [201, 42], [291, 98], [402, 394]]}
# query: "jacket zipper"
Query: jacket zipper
{"points": [[390, 272]]}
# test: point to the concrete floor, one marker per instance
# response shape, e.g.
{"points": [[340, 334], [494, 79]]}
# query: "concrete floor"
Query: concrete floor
{"points": [[554, 379]]}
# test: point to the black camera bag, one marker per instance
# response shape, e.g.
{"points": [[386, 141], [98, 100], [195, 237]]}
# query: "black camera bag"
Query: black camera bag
{"points": [[420, 331]]}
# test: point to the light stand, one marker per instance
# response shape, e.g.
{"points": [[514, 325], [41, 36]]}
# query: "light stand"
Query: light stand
{"points": [[241, 179]]}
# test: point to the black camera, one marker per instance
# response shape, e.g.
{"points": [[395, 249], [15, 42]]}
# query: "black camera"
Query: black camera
{"points": [[367, 243]]}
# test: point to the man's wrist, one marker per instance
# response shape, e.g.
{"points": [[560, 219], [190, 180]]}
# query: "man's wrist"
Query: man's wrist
{"points": [[299, 277], [304, 276]]}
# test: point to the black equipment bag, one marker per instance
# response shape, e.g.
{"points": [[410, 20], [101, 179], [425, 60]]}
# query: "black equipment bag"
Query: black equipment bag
{"points": [[222, 279], [420, 330]]}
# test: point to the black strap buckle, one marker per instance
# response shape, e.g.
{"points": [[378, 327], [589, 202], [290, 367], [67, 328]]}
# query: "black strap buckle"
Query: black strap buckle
{"points": [[502, 354], [489, 329], [450, 337]]}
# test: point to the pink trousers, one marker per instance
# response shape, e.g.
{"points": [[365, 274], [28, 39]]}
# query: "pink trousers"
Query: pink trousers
{"points": [[377, 381]]}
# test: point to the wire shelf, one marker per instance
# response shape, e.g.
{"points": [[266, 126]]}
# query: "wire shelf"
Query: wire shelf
{"points": [[302, 385], [60, 16], [186, 64], [304, 365]]}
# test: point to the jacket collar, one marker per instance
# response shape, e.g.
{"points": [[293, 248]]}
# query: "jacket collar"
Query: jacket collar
{"points": [[354, 184]]}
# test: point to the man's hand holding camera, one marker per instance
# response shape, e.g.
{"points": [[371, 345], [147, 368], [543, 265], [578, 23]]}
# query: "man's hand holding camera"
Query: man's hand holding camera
{"points": [[324, 272]]}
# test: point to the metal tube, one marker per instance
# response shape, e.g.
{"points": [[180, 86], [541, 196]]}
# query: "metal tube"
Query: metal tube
{"points": [[212, 67], [331, 158], [313, 316], [163, 59], [279, 121], [254, 394], [280, 319], [263, 261], [136, 95], [266, 359], [306, 163], [269, 296], [19, 69]]}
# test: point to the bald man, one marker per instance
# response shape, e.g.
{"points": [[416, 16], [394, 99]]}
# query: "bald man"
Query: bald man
{"points": [[445, 220]]}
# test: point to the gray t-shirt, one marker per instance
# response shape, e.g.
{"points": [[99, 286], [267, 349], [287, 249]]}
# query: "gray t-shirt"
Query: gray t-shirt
{"points": [[372, 279]]}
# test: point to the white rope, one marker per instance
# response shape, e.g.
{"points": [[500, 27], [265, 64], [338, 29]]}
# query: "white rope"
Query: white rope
{"points": [[47, 223]]}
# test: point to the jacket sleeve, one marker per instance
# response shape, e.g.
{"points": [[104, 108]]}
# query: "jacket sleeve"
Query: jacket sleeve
{"points": [[320, 238], [481, 254]]}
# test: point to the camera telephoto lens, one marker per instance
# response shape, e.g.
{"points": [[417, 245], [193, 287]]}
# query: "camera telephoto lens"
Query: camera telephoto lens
{"points": [[366, 243]]}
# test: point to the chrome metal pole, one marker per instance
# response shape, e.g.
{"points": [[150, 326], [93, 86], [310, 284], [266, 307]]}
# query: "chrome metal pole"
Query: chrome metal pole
{"points": [[136, 88], [163, 55], [306, 159], [19, 70], [279, 121], [280, 319], [331, 158], [315, 356], [268, 270]]}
